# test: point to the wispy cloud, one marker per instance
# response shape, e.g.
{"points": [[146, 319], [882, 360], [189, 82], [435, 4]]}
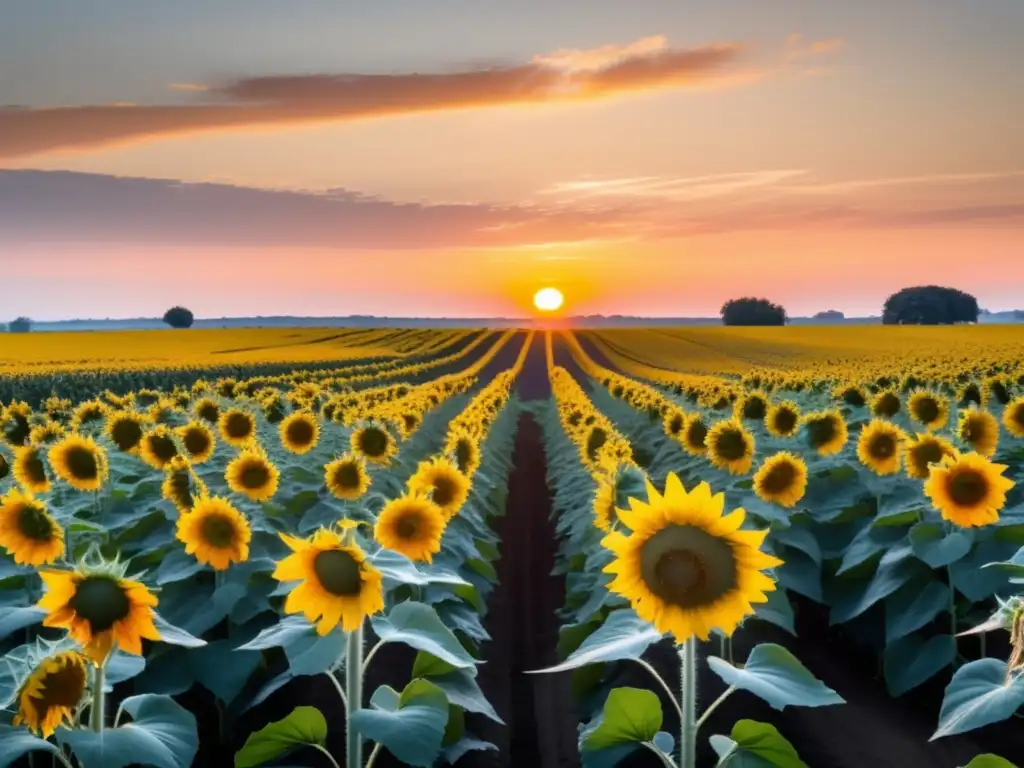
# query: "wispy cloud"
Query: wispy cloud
{"points": [[682, 188]]}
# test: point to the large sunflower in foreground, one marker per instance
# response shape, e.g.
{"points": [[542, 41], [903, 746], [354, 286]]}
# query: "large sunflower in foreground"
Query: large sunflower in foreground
{"points": [[687, 567], [52, 693], [158, 447], [826, 431], [880, 447], [29, 470], [440, 480], [1013, 417], [79, 462], [125, 430], [980, 430], [300, 432], [100, 608], [337, 582], [968, 490], [783, 419], [925, 450], [347, 478], [374, 443], [252, 474], [27, 531], [237, 427], [215, 532], [929, 409], [198, 440], [782, 478], [730, 447], [411, 525]]}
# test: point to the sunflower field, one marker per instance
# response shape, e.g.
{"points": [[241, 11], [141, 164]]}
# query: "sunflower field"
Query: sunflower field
{"points": [[279, 547]]}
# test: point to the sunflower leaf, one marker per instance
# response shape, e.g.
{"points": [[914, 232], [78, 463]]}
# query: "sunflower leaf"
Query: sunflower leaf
{"points": [[777, 676], [755, 745], [15, 742], [978, 695], [419, 627], [630, 716], [624, 635], [937, 548], [305, 725], [990, 761], [411, 725]]}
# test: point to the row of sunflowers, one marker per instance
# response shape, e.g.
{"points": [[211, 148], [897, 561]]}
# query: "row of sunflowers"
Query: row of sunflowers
{"points": [[247, 540], [891, 509]]}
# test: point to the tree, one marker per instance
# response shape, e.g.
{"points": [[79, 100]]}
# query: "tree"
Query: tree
{"points": [[751, 311], [179, 317], [21, 325], [930, 305], [832, 315]]}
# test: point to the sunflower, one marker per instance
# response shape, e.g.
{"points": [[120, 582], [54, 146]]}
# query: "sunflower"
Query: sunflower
{"points": [[730, 447], [337, 582], [1013, 417], [782, 478], [215, 532], [411, 525], [605, 513], [826, 431], [465, 453], [880, 447], [158, 447], [440, 481], [252, 474], [29, 470], [198, 440], [5, 467], [300, 432], [980, 430], [177, 485], [886, 404], [208, 410], [929, 409], [125, 430], [695, 433], [374, 443], [52, 692], [27, 531], [924, 451], [347, 477], [686, 567], [968, 490], [237, 427], [673, 422], [100, 608], [88, 413], [46, 433], [752, 406], [79, 462], [783, 419]]}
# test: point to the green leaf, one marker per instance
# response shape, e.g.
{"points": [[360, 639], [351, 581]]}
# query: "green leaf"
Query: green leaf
{"points": [[13, 619], [222, 670], [162, 734], [978, 695], [913, 607], [778, 677], [756, 745], [462, 688], [411, 725], [624, 635], [308, 652], [304, 726], [15, 742], [420, 627], [401, 570], [910, 661], [937, 548], [173, 635], [859, 597], [990, 761], [630, 716], [428, 665]]}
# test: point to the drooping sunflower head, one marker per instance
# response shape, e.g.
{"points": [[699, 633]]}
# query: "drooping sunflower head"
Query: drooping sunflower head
{"points": [[27, 531], [1013, 417], [886, 404], [300, 432], [158, 447], [880, 447], [52, 692], [253, 475], [464, 452], [347, 478], [338, 584], [968, 489], [29, 470], [89, 414], [925, 450], [695, 434], [208, 410], [782, 479], [928, 408], [411, 525], [687, 567], [442, 482], [730, 447], [177, 485], [215, 532], [198, 441], [826, 431], [375, 443], [125, 430], [79, 462], [979, 429], [47, 433], [237, 427], [100, 608]]}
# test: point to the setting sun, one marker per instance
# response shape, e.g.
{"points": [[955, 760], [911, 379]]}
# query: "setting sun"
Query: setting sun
{"points": [[548, 299]]}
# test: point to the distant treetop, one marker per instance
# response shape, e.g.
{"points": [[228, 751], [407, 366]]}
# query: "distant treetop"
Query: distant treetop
{"points": [[179, 317], [930, 305], [830, 314], [752, 311], [21, 325]]}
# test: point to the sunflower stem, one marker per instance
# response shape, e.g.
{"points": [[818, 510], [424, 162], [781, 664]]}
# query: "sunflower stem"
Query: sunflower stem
{"points": [[323, 751], [354, 697], [97, 709], [688, 704], [662, 683]]}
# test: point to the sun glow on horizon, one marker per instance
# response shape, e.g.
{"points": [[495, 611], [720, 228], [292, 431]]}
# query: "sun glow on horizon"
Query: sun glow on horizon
{"points": [[548, 299]]}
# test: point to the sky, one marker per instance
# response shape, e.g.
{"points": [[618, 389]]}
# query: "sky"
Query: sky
{"points": [[451, 157]]}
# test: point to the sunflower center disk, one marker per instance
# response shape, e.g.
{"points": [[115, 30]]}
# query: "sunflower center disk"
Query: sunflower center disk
{"points": [[338, 572], [444, 491], [925, 454], [779, 478], [408, 527], [785, 421], [821, 432], [163, 447], [238, 426], [196, 442], [34, 523], [927, 410], [463, 454], [687, 567], [218, 531], [255, 475], [81, 463], [34, 469], [347, 476], [595, 440], [62, 687], [374, 442], [300, 433], [697, 434], [101, 601], [883, 447], [126, 434], [968, 488], [732, 446]]}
